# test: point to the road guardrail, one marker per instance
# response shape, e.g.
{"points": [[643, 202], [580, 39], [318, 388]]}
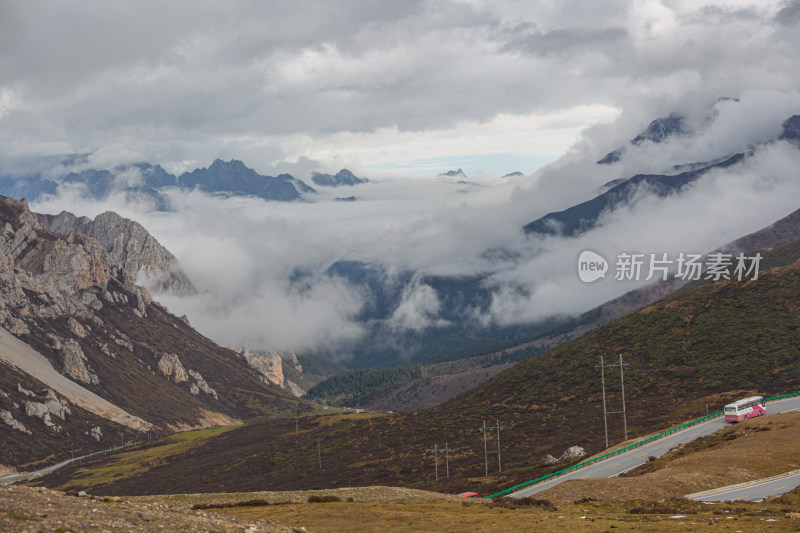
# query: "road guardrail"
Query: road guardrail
{"points": [[623, 450]]}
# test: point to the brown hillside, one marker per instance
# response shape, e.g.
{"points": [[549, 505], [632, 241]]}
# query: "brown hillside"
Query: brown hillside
{"points": [[704, 346]]}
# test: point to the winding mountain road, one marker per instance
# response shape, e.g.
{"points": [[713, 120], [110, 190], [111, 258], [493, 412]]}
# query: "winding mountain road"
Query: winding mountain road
{"points": [[754, 491], [623, 462]]}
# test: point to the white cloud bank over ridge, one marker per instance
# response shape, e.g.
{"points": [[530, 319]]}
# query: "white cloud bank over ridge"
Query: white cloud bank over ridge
{"points": [[244, 252]]}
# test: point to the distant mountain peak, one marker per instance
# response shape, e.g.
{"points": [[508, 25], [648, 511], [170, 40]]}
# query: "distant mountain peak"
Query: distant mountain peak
{"points": [[657, 131], [342, 178], [513, 174], [791, 129], [234, 177], [453, 174]]}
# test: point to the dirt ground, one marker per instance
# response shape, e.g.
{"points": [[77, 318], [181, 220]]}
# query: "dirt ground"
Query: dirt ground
{"points": [[40, 509], [390, 510], [379, 495], [678, 516]]}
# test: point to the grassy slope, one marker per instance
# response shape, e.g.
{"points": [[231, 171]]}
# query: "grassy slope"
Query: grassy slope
{"points": [[704, 346]]}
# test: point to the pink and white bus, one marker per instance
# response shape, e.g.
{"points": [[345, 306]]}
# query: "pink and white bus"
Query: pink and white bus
{"points": [[744, 409]]}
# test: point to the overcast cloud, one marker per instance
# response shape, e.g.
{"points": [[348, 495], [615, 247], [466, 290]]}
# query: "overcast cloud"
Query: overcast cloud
{"points": [[182, 83], [393, 90]]}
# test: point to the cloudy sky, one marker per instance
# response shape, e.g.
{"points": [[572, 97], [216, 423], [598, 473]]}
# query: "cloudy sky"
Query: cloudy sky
{"points": [[398, 92], [413, 86]]}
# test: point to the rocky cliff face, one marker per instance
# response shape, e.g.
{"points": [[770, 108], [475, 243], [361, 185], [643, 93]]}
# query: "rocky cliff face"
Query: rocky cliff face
{"points": [[130, 245], [99, 335], [270, 367]]}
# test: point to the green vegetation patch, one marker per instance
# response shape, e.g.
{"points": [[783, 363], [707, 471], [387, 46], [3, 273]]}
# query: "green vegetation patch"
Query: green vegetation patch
{"points": [[359, 386], [139, 460]]}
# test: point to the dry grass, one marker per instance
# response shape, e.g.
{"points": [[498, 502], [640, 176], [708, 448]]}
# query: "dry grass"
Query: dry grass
{"points": [[460, 517], [378, 495], [648, 502]]}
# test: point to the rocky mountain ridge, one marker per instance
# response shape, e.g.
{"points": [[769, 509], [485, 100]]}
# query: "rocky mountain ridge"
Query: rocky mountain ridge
{"points": [[130, 245], [583, 217], [104, 346]]}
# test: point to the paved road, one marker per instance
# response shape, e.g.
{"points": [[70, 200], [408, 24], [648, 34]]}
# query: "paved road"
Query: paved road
{"points": [[17, 477], [47, 470], [751, 492], [633, 458]]}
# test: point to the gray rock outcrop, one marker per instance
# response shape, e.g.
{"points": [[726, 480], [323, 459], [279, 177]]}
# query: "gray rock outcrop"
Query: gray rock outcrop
{"points": [[75, 364], [130, 245], [8, 419], [268, 364], [39, 410], [170, 366], [570, 454]]}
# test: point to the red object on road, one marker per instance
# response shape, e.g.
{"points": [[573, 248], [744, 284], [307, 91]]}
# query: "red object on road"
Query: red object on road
{"points": [[469, 495]]}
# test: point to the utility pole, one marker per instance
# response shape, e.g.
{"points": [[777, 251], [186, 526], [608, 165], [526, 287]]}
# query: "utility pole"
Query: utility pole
{"points": [[319, 454], [485, 452], [436, 460], [484, 430], [499, 428], [603, 382], [295, 425], [447, 451], [602, 366], [622, 383]]}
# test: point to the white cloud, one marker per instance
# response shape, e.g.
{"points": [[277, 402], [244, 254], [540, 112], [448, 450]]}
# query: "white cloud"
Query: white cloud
{"points": [[418, 309], [308, 85], [352, 83]]}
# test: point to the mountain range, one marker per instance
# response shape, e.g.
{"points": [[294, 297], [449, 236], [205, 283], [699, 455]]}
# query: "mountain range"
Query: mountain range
{"points": [[695, 350], [456, 334], [453, 332], [583, 217], [87, 353], [145, 181]]}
